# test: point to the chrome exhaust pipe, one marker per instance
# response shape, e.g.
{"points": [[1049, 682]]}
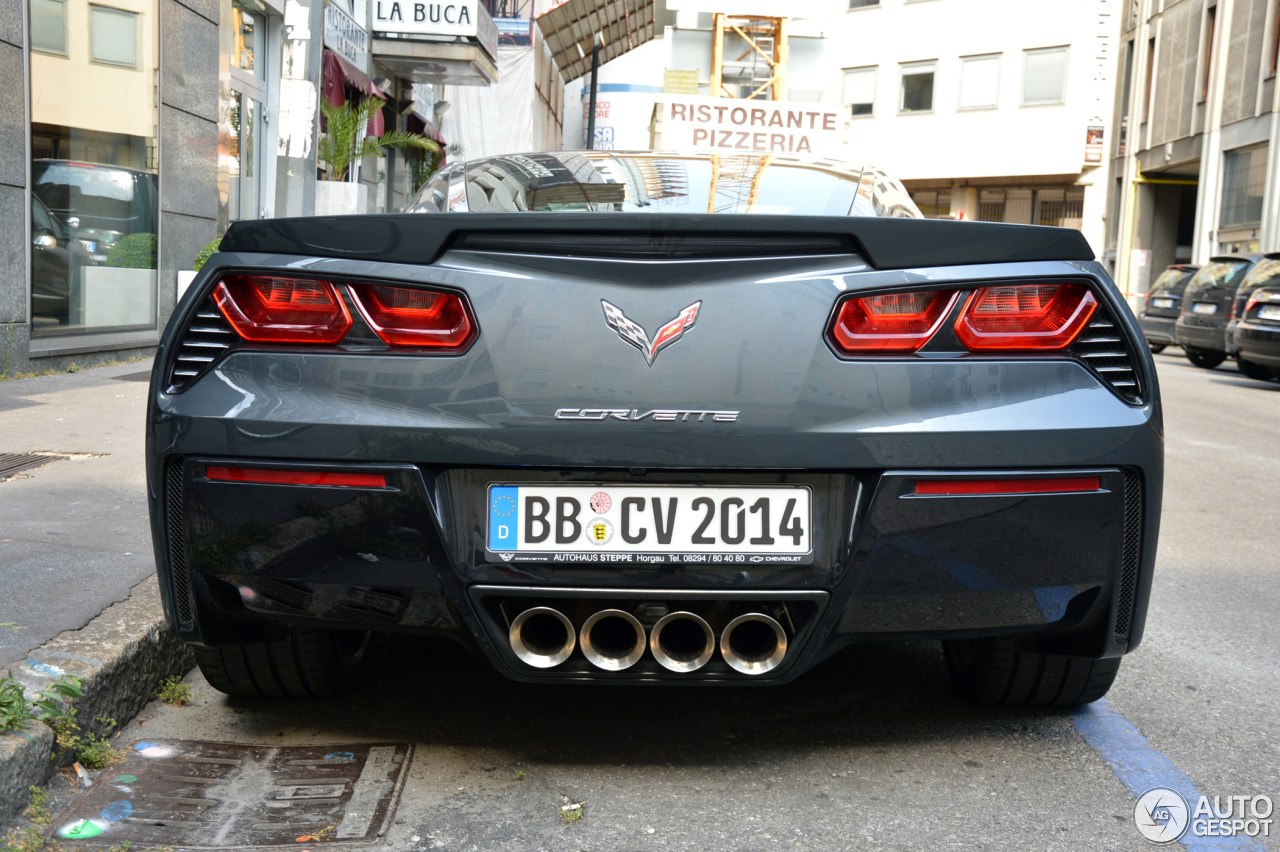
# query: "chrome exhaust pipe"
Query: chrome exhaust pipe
{"points": [[542, 637], [612, 640], [753, 643], [682, 642]]}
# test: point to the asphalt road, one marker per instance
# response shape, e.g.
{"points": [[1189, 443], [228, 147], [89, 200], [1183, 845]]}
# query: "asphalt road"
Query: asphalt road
{"points": [[871, 751], [74, 535]]}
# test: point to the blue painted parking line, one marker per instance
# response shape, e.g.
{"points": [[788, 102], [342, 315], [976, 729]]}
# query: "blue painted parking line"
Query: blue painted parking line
{"points": [[1140, 767]]}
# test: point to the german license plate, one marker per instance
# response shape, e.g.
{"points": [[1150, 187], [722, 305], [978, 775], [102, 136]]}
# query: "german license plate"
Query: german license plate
{"points": [[657, 524], [1269, 312], [1162, 303], [1204, 308]]}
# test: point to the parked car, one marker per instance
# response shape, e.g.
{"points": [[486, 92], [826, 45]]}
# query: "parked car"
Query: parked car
{"points": [[1164, 303], [100, 204], [1207, 302], [1256, 331], [657, 445], [51, 266]]}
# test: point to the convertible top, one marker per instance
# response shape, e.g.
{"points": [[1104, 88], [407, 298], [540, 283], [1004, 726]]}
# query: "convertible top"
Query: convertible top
{"points": [[885, 243]]}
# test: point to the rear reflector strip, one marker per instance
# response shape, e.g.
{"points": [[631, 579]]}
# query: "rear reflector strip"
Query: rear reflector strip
{"points": [[942, 487], [296, 477]]}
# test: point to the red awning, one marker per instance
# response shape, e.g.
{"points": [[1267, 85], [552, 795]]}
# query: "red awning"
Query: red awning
{"points": [[338, 76], [415, 122]]}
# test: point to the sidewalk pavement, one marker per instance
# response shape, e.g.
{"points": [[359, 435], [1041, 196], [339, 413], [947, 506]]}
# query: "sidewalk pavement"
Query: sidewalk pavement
{"points": [[74, 534]]}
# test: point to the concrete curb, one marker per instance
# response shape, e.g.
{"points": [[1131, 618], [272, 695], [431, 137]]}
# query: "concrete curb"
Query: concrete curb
{"points": [[119, 656]]}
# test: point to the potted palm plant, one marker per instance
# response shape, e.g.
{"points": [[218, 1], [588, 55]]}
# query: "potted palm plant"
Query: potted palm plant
{"points": [[343, 143]]}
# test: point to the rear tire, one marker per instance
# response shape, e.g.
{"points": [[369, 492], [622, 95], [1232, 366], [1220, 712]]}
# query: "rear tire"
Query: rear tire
{"points": [[1205, 359], [310, 663], [1255, 371], [1157, 348], [996, 671]]}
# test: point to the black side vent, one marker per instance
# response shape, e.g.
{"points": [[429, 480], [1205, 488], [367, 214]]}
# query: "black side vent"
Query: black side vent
{"points": [[652, 246], [1102, 346], [1132, 552], [207, 339], [179, 574]]}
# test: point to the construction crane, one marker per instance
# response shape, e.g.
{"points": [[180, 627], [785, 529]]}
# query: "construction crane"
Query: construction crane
{"points": [[735, 182], [766, 48]]}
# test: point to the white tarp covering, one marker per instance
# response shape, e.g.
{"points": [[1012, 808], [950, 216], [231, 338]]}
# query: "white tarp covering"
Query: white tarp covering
{"points": [[495, 119]]}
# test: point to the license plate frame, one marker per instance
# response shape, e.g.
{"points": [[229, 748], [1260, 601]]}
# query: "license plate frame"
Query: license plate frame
{"points": [[1269, 312], [1163, 304], [1204, 309], [506, 523]]}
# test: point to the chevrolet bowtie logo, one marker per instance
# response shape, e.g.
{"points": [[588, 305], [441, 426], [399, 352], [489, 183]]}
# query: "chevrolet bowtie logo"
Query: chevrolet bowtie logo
{"points": [[634, 333]]}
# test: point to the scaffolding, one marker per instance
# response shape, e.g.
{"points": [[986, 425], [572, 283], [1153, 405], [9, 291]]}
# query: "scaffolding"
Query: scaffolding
{"points": [[735, 182], [761, 67]]}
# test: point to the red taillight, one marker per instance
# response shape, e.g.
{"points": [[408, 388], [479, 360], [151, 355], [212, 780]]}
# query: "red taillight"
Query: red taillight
{"points": [[1232, 313], [1253, 300], [943, 487], [1025, 316], [404, 316], [295, 477], [267, 309], [892, 322]]}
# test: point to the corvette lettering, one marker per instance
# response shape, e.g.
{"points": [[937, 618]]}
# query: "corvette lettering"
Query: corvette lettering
{"points": [[682, 415]]}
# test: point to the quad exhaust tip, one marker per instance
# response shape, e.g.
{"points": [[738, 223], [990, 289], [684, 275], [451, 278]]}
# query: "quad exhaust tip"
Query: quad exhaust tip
{"points": [[542, 637], [682, 642], [753, 643], [612, 640]]}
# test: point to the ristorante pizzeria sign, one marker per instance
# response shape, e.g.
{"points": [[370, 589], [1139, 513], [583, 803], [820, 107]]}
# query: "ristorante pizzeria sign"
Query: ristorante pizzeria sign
{"points": [[421, 17], [721, 125]]}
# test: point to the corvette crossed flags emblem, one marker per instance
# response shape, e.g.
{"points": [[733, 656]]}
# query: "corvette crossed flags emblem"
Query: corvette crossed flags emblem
{"points": [[634, 333]]}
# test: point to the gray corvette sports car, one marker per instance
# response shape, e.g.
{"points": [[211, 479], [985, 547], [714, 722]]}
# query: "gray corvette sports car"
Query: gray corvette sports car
{"points": [[655, 419]]}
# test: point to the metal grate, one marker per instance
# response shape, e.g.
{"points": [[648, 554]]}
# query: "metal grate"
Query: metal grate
{"points": [[179, 576], [1061, 207], [1132, 551], [206, 340], [1103, 348], [933, 204], [12, 464]]}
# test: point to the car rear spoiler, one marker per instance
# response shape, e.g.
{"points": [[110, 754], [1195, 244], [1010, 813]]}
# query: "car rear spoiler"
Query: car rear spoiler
{"points": [[885, 243]]}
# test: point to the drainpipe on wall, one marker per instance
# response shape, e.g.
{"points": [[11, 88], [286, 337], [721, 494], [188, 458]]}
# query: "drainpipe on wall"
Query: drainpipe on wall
{"points": [[1270, 239], [302, 52], [1127, 226], [1209, 196]]}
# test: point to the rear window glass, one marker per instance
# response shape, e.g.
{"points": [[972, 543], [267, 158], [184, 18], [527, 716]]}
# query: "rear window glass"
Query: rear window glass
{"points": [[1172, 281], [1222, 273], [1266, 272], [608, 182], [87, 190]]}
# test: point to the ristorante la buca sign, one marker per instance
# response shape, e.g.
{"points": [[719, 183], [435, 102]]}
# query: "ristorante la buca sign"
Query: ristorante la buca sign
{"points": [[424, 17]]}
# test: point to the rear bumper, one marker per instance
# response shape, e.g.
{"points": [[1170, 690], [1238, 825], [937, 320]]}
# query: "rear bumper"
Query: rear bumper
{"points": [[1065, 570], [1212, 338], [1158, 329], [1070, 573], [1258, 343]]}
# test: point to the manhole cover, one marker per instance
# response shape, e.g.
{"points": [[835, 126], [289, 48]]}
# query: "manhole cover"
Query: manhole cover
{"points": [[198, 795], [144, 376], [12, 464]]}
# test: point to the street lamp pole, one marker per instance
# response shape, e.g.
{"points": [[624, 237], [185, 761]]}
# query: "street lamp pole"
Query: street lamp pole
{"points": [[595, 72]]}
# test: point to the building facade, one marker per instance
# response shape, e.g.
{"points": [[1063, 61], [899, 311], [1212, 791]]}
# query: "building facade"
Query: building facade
{"points": [[135, 132], [983, 110], [1193, 161]]}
